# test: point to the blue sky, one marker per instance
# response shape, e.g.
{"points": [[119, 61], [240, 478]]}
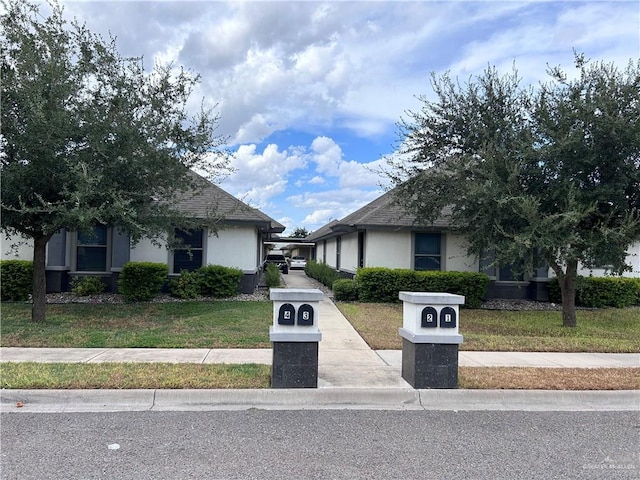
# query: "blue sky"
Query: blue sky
{"points": [[309, 93]]}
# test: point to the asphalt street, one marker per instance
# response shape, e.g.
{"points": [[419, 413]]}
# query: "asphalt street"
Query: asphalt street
{"points": [[321, 444]]}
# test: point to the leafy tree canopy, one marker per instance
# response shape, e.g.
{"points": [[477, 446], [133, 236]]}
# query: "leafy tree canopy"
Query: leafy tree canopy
{"points": [[545, 175], [300, 232], [89, 136]]}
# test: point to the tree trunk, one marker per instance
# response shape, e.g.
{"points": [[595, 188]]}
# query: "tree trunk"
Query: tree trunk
{"points": [[39, 295], [568, 289], [567, 282]]}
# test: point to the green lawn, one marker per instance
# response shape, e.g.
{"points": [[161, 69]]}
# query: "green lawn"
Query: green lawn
{"points": [[605, 330], [132, 375], [236, 324], [221, 324]]}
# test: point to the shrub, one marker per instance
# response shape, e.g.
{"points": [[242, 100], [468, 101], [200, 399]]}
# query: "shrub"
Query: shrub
{"points": [[186, 286], [601, 292], [219, 281], [141, 281], [384, 284], [272, 276], [16, 279], [345, 290], [84, 286], [321, 272]]}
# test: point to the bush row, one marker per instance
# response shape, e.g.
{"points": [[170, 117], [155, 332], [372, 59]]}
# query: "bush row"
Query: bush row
{"points": [[213, 280], [384, 284], [321, 272], [601, 292], [16, 280], [139, 281]]}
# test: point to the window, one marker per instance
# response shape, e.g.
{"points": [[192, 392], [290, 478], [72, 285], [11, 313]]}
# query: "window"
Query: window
{"points": [[338, 251], [91, 250], [190, 254], [360, 249], [502, 273], [506, 272], [427, 251]]}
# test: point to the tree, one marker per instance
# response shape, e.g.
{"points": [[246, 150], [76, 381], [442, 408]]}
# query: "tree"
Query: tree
{"points": [[300, 232], [540, 177], [89, 137]]}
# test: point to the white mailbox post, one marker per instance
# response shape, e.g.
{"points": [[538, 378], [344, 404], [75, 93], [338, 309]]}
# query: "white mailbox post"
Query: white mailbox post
{"points": [[295, 336], [430, 339]]}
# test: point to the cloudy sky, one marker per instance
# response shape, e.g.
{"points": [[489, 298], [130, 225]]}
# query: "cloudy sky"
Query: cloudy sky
{"points": [[309, 93]]}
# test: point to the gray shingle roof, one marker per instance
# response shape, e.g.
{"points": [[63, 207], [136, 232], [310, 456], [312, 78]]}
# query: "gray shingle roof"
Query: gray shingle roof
{"points": [[381, 212], [212, 200]]}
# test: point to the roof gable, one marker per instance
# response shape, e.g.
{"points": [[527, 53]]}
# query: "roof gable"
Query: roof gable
{"points": [[210, 200], [383, 212]]}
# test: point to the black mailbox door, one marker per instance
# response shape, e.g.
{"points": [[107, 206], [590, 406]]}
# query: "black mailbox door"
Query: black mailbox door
{"points": [[448, 318], [305, 315], [429, 317], [286, 314]]}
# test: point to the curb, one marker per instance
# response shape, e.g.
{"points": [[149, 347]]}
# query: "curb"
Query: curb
{"points": [[61, 401]]}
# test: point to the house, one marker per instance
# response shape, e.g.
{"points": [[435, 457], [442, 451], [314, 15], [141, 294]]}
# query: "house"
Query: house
{"points": [[383, 234], [237, 242]]}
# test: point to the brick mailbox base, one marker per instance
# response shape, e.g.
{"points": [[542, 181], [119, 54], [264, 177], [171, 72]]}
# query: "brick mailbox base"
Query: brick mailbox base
{"points": [[295, 365], [430, 365]]}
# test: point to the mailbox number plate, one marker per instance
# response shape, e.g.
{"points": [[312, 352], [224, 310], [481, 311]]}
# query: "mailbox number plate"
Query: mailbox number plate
{"points": [[448, 318], [305, 315], [429, 318], [286, 314]]}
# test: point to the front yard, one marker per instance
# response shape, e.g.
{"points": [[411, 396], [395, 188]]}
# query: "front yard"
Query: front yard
{"points": [[603, 330]]}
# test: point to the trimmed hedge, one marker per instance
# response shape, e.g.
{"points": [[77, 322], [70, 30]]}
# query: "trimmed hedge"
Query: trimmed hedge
{"points": [[211, 280], [345, 290], [16, 280], [186, 286], [601, 292], [321, 272], [218, 281], [84, 286], [384, 284], [142, 281], [272, 276]]}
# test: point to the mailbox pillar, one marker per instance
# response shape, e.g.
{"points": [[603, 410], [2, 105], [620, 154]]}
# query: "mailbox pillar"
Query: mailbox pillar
{"points": [[430, 339], [295, 337]]}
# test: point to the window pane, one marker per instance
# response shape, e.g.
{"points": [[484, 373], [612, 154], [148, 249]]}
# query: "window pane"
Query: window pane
{"points": [[505, 274], [427, 263], [92, 259], [187, 260], [98, 237], [427, 244], [191, 238]]}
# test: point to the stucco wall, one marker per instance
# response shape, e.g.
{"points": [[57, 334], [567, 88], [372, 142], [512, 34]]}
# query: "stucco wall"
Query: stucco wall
{"points": [[23, 250], [349, 253], [633, 259], [331, 253], [388, 249], [455, 255], [233, 247], [145, 251]]}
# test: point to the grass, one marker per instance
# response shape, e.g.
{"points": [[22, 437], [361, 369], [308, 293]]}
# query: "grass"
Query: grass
{"points": [[180, 376], [246, 325], [232, 324], [604, 331], [32, 375], [519, 378]]}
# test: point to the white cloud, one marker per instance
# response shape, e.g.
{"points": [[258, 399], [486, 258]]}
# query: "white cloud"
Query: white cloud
{"points": [[258, 177], [327, 155], [317, 180]]}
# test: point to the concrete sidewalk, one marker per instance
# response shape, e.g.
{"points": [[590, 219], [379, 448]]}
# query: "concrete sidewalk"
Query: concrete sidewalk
{"points": [[330, 359]]}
